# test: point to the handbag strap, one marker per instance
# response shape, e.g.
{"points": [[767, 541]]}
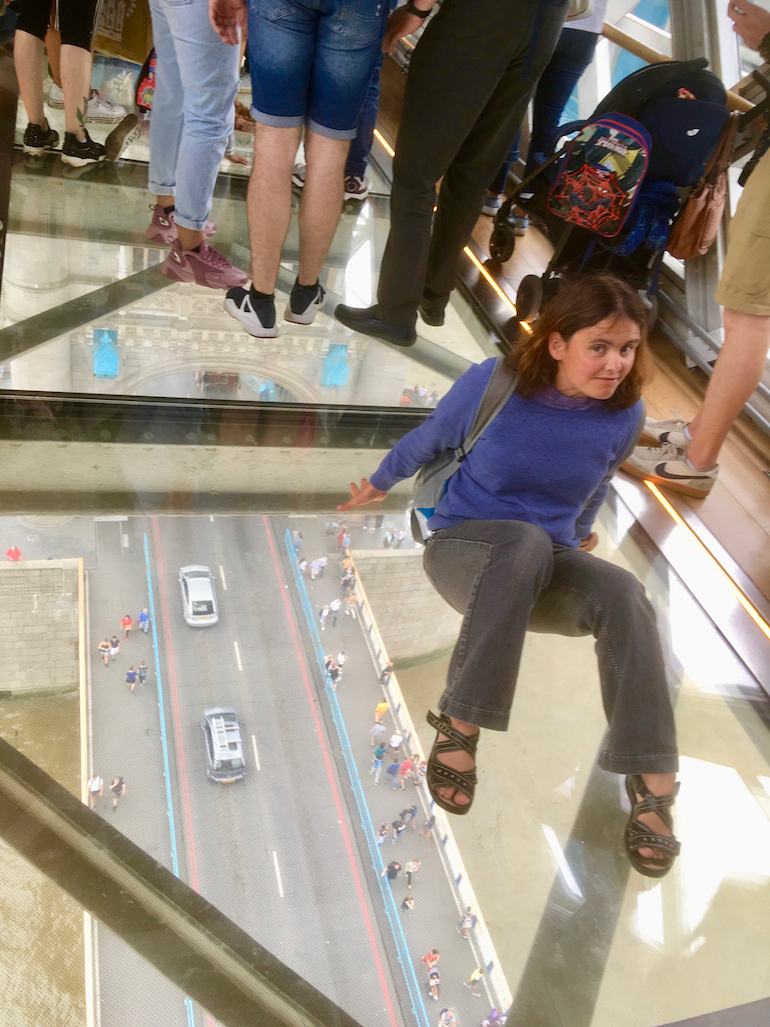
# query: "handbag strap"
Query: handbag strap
{"points": [[723, 151]]}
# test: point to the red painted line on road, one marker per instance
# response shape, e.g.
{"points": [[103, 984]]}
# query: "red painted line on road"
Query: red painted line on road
{"points": [[330, 774], [176, 714]]}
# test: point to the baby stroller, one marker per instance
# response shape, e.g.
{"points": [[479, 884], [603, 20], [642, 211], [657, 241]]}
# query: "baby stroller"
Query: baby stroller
{"points": [[608, 197]]}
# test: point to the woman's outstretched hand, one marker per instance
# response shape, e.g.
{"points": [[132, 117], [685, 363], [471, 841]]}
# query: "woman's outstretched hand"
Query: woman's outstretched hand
{"points": [[588, 543], [362, 495]]}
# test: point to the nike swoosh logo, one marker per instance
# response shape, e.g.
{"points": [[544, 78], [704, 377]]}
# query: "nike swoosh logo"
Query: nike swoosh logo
{"points": [[693, 131], [661, 471]]}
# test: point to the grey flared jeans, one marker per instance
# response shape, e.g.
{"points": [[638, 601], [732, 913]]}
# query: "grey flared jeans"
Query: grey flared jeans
{"points": [[508, 577]]}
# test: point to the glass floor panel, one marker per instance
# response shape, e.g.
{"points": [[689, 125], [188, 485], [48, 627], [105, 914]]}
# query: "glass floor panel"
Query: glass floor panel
{"points": [[568, 933], [84, 307]]}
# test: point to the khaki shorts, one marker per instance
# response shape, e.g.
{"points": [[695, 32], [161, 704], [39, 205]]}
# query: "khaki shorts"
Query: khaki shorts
{"points": [[745, 282]]}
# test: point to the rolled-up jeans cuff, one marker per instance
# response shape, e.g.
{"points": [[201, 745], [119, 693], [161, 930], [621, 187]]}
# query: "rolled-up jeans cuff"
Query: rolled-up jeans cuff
{"points": [[193, 226], [657, 763], [158, 189], [490, 719]]}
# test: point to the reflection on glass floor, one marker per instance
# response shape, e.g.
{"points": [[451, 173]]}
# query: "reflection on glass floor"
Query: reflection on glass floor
{"points": [[74, 233], [579, 937]]}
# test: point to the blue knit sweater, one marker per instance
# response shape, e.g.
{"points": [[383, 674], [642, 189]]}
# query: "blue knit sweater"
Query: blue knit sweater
{"points": [[541, 460]]}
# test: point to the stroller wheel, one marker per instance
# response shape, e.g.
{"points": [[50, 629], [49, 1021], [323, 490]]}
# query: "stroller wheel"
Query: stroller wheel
{"points": [[529, 298], [502, 242]]}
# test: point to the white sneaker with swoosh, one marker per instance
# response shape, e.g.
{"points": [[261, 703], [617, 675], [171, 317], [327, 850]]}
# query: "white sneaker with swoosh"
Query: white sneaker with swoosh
{"points": [[667, 465], [661, 432]]}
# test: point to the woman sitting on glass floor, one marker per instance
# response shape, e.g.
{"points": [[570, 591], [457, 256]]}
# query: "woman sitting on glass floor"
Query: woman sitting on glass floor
{"points": [[510, 542]]}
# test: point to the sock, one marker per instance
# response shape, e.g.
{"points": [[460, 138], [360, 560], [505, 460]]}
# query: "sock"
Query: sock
{"points": [[263, 305], [698, 469], [687, 434], [258, 297]]}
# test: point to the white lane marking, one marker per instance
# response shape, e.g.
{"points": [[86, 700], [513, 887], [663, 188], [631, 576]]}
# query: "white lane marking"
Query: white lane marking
{"points": [[238, 656], [256, 753], [222, 576], [278, 874], [211, 518]]}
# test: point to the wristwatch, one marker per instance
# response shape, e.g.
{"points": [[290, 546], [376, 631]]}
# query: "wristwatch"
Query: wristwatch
{"points": [[409, 5]]}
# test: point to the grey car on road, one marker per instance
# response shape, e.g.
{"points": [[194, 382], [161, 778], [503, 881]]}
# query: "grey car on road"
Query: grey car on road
{"points": [[199, 598], [224, 748]]}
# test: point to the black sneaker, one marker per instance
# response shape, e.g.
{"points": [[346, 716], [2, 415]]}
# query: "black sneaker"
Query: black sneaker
{"points": [[259, 321], [37, 140], [304, 303], [78, 154]]}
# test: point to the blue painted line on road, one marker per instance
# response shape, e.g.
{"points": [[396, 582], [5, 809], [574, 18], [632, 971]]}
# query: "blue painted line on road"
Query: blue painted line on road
{"points": [[164, 745]]}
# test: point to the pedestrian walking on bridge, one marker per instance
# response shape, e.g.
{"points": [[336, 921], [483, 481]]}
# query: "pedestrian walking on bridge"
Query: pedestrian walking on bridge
{"points": [[114, 646], [131, 676], [127, 624], [95, 789], [118, 789], [144, 620], [104, 650], [142, 672]]}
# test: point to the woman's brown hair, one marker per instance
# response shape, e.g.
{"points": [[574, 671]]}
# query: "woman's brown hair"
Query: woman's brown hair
{"points": [[581, 303]]}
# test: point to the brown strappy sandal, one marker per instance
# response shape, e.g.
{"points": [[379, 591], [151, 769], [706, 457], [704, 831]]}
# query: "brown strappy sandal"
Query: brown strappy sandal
{"points": [[441, 776], [639, 836]]}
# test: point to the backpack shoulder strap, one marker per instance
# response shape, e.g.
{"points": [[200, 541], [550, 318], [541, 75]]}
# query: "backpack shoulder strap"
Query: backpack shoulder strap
{"points": [[499, 390]]}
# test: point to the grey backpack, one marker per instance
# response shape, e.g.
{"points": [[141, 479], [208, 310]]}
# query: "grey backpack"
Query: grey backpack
{"points": [[433, 478]]}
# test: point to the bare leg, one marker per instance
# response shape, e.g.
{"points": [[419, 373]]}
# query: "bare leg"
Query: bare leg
{"points": [[29, 60], [53, 49], [76, 84], [735, 376], [269, 200], [321, 203]]}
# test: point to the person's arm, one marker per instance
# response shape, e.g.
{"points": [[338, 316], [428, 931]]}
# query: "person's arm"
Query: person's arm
{"points": [[445, 428], [752, 23], [404, 21], [585, 520], [227, 17]]}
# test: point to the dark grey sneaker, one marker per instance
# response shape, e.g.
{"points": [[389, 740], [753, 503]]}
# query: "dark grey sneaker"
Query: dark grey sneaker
{"points": [[259, 322], [78, 154], [121, 137], [304, 303], [37, 140]]}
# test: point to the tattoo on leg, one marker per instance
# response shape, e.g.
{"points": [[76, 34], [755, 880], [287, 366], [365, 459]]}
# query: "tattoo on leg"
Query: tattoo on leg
{"points": [[81, 114]]}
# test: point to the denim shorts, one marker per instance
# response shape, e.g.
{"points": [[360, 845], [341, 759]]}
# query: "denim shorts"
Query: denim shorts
{"points": [[312, 60]]}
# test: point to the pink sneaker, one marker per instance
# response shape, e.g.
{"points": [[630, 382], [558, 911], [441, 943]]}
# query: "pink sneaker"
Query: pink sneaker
{"points": [[163, 230], [206, 267]]}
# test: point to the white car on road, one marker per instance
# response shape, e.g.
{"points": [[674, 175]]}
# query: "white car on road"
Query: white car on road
{"points": [[199, 600]]}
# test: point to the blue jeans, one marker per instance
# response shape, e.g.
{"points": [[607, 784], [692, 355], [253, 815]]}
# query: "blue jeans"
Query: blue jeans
{"points": [[196, 80], [361, 146], [312, 61], [573, 54]]}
